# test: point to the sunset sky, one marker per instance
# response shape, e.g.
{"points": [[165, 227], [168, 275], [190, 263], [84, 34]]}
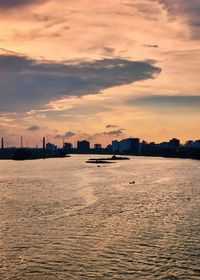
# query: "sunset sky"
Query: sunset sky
{"points": [[99, 70]]}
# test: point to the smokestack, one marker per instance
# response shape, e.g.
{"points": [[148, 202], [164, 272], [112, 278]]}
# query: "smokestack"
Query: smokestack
{"points": [[2, 143], [44, 143]]}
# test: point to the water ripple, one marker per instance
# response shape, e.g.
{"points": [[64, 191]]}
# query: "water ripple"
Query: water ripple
{"points": [[86, 223]]}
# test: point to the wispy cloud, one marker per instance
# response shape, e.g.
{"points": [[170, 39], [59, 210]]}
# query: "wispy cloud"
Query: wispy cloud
{"points": [[113, 133], [150, 46], [111, 126], [117, 133]]}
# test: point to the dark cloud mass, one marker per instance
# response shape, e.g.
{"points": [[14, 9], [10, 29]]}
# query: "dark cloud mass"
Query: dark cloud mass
{"points": [[12, 4], [113, 133], [190, 9], [33, 128], [28, 84], [117, 133], [69, 134]]}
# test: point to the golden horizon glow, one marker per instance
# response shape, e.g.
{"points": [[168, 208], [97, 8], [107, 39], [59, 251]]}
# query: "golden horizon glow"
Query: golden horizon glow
{"points": [[156, 97]]}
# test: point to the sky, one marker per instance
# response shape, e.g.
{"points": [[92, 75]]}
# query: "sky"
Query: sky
{"points": [[99, 70]]}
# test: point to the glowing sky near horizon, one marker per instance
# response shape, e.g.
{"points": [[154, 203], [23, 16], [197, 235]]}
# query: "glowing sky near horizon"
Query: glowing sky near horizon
{"points": [[99, 70]]}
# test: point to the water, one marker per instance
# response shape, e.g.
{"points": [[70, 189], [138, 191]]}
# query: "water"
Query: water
{"points": [[65, 219]]}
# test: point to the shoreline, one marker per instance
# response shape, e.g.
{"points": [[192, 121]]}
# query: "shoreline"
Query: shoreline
{"points": [[69, 155]]}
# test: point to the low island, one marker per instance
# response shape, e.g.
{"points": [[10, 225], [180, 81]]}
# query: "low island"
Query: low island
{"points": [[106, 160]]}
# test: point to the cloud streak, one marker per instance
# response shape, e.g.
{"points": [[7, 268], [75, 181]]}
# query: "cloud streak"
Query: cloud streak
{"points": [[111, 126], [167, 101], [116, 133], [150, 46]]}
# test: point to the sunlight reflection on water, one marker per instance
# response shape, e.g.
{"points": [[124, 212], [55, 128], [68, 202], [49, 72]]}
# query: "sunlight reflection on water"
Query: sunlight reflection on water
{"points": [[65, 219]]}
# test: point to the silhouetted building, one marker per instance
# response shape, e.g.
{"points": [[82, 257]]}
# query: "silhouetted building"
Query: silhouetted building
{"points": [[51, 147], [149, 148], [115, 146], [164, 145], [189, 144], [67, 147], [108, 149], [83, 146], [130, 145], [125, 145], [97, 146], [174, 143], [193, 144], [136, 145], [197, 144]]}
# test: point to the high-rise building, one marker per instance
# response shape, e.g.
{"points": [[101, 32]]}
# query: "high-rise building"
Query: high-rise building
{"points": [[189, 144], [51, 147], [67, 147], [174, 143], [115, 146], [130, 145], [83, 146], [197, 144], [97, 146]]}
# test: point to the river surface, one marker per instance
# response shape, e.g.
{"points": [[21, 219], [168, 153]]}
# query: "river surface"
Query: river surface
{"points": [[66, 219]]}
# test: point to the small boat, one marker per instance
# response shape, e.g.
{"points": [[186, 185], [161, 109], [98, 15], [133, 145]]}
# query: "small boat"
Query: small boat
{"points": [[132, 182]]}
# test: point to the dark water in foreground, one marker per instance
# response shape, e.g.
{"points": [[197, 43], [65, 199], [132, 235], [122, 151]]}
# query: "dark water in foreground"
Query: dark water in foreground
{"points": [[65, 219]]}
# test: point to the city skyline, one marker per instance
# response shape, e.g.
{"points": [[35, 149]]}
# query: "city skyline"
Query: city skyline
{"points": [[23, 143], [129, 146], [99, 71]]}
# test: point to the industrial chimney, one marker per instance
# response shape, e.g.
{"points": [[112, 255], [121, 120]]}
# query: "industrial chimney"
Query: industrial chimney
{"points": [[2, 143], [44, 143]]}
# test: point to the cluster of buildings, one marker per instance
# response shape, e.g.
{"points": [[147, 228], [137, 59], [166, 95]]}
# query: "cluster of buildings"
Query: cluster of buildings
{"points": [[193, 144], [133, 146], [128, 146]]}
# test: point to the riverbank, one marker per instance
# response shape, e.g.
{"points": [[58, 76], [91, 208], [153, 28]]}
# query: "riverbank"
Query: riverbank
{"points": [[33, 154]]}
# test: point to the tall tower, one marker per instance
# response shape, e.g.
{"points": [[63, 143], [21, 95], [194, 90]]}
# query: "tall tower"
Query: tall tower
{"points": [[44, 143], [2, 143]]}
